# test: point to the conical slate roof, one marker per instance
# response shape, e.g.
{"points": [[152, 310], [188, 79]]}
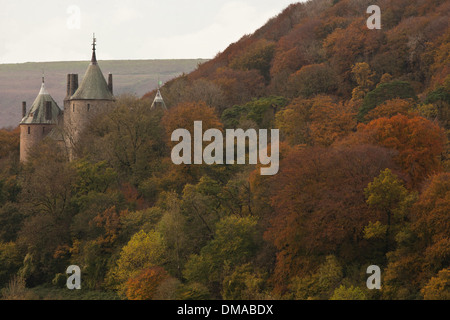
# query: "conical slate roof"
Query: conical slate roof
{"points": [[93, 86], [37, 112]]}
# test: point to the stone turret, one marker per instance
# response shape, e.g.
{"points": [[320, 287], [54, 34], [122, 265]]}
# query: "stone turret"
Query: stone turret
{"points": [[84, 102], [38, 122]]}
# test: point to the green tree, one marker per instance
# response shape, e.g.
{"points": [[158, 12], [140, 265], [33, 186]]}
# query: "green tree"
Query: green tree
{"points": [[387, 195], [259, 112], [10, 261], [244, 283], [348, 293], [235, 242], [319, 285], [384, 92]]}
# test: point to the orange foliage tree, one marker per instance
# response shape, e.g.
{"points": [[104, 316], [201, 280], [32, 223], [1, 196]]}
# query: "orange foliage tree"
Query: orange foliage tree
{"points": [[9, 141], [418, 141], [183, 116], [318, 199], [391, 108], [321, 120], [431, 220], [145, 285]]}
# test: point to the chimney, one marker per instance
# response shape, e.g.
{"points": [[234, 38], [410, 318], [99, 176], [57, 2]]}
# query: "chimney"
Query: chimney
{"points": [[24, 109], [48, 110], [69, 78], [110, 83], [72, 84]]}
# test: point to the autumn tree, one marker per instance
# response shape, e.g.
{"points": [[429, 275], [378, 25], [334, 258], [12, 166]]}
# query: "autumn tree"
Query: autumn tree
{"points": [[257, 56], [316, 215], [144, 286], [383, 92], [239, 86], [364, 78], [9, 142], [418, 141], [235, 243], [391, 108], [258, 113], [144, 250], [438, 287], [311, 80], [422, 245], [321, 120], [387, 195], [130, 138]]}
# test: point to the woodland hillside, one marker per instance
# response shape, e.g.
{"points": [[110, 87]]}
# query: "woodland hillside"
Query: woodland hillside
{"points": [[364, 173]]}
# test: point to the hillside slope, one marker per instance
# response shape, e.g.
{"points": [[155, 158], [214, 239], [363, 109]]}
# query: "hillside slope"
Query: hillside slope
{"points": [[310, 48], [21, 82]]}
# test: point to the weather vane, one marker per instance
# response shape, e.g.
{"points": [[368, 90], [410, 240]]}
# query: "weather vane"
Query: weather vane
{"points": [[93, 41]]}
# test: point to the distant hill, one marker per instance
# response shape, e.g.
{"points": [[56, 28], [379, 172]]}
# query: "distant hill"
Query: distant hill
{"points": [[21, 82]]}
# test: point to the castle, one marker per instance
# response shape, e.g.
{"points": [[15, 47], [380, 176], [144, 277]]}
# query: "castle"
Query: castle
{"points": [[82, 103]]}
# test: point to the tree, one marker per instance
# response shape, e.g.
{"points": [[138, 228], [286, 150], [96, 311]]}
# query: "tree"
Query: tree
{"points": [[10, 261], [363, 76], [418, 141], [331, 120], [257, 56], [314, 214], [321, 120], [244, 283], [319, 285], [184, 115], [261, 112], [384, 92], [387, 195], [348, 293], [9, 142], [438, 287], [235, 242], [293, 121], [144, 286], [430, 221], [144, 250], [422, 245], [311, 80], [239, 86], [130, 138], [391, 108]]}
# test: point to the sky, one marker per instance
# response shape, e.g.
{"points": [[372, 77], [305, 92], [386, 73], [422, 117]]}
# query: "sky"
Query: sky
{"points": [[62, 30]]}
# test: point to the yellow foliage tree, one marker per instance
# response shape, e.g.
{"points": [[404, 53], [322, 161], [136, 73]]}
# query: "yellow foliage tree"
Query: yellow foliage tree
{"points": [[144, 250]]}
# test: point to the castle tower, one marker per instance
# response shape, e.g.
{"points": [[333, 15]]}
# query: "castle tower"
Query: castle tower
{"points": [[84, 102], [37, 123]]}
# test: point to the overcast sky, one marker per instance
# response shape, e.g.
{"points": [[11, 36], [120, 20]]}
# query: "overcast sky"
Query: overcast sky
{"points": [[61, 30]]}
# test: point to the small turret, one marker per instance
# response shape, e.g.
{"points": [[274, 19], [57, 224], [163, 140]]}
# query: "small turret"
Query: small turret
{"points": [[37, 123], [158, 102]]}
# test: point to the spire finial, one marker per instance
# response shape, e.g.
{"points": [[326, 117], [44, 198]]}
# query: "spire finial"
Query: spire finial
{"points": [[43, 76], [94, 58]]}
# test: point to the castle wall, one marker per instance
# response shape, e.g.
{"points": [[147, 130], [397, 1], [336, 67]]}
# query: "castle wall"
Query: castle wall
{"points": [[77, 116], [30, 136]]}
